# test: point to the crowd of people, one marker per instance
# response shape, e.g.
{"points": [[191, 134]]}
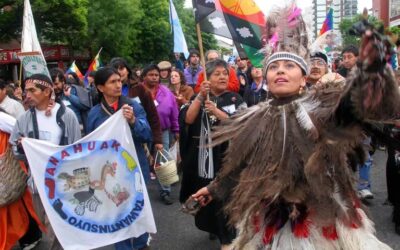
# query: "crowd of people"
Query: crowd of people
{"points": [[269, 153]]}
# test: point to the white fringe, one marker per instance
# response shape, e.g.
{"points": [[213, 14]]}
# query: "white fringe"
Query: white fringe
{"points": [[362, 238]]}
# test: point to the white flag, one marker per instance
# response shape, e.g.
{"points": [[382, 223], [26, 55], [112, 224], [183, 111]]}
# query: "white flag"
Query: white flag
{"points": [[93, 190], [29, 42], [180, 45]]}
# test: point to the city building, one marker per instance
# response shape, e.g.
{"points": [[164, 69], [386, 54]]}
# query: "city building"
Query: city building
{"points": [[394, 12], [56, 56], [380, 9]]}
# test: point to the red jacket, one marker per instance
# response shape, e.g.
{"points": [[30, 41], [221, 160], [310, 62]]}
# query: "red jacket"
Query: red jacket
{"points": [[233, 84]]}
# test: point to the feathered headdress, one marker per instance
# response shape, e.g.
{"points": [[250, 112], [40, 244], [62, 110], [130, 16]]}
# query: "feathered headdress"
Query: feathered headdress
{"points": [[287, 37]]}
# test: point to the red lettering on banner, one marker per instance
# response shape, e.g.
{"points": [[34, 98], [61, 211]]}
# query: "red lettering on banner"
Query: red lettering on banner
{"points": [[78, 148], [91, 145], [104, 145], [64, 154], [51, 171], [115, 145], [53, 160], [51, 185]]}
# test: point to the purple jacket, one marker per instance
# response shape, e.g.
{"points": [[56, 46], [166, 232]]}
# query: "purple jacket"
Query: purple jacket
{"points": [[167, 109], [191, 79]]}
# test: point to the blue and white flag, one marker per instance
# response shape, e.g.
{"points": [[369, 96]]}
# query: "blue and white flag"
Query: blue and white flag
{"points": [[93, 190], [180, 45]]}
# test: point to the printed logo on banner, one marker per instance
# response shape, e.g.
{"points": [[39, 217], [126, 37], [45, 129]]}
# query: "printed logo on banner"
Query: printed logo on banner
{"points": [[102, 197]]}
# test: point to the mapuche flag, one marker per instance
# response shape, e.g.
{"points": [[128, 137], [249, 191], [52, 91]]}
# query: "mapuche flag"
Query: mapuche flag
{"points": [[241, 21]]}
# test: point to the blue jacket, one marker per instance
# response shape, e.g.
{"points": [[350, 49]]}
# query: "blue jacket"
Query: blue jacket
{"points": [[141, 131]]}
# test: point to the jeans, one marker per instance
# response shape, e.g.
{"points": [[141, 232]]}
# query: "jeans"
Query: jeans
{"points": [[364, 181], [133, 243], [165, 189]]}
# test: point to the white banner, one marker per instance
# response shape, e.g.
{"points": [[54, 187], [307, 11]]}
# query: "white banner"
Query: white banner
{"points": [[93, 190], [29, 41], [33, 63]]}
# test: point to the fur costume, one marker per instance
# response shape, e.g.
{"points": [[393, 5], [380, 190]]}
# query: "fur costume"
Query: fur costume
{"points": [[287, 176]]}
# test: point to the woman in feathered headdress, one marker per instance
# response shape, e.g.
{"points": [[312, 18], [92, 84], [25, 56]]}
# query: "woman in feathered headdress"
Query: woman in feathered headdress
{"points": [[287, 176]]}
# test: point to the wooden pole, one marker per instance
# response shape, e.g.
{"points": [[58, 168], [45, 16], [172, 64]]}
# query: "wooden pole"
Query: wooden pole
{"points": [[200, 41], [20, 74]]}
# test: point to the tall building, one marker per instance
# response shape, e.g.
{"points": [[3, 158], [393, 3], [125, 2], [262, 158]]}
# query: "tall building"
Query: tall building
{"points": [[380, 9], [394, 13], [341, 9]]}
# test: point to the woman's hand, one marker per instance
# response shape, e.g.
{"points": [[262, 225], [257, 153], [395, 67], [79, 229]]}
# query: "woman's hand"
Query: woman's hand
{"points": [[203, 196], [181, 100], [210, 107], [127, 112], [159, 147], [204, 89], [67, 90]]}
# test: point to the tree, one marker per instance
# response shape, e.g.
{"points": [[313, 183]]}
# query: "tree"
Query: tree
{"points": [[154, 38], [346, 24], [10, 20], [113, 26], [56, 21]]}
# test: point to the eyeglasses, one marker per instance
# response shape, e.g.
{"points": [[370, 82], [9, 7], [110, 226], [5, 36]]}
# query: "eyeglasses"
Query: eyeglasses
{"points": [[318, 62]]}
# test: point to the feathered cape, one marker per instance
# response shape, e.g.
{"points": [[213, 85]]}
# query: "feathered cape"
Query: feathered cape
{"points": [[289, 161]]}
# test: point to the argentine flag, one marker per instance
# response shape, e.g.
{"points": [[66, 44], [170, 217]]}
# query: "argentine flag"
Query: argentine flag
{"points": [[180, 45]]}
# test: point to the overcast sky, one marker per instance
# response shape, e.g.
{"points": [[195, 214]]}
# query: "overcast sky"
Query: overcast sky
{"points": [[266, 4]]}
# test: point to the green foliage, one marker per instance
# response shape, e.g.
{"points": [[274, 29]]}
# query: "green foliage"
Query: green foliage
{"points": [[10, 19], [394, 30], [113, 26], [138, 30], [56, 21], [346, 24], [61, 21], [155, 37]]}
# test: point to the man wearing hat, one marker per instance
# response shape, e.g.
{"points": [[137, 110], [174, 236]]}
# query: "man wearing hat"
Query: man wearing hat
{"points": [[46, 121], [165, 72], [193, 70], [318, 67]]}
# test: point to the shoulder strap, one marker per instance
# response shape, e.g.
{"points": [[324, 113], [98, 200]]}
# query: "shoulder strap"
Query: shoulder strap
{"points": [[34, 124]]}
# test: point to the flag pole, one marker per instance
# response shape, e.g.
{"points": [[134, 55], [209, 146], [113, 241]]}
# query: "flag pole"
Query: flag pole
{"points": [[98, 53], [200, 41], [20, 74]]}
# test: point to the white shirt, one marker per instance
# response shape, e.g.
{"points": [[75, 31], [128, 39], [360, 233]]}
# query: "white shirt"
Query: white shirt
{"points": [[48, 127], [12, 107], [7, 122]]}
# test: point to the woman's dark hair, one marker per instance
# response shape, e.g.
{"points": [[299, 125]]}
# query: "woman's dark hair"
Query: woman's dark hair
{"points": [[76, 78], [149, 68], [3, 84], [57, 73], [103, 74], [119, 63], [212, 65], [182, 76]]}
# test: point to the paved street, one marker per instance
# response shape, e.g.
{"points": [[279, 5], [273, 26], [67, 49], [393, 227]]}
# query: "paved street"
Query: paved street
{"points": [[177, 231]]}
